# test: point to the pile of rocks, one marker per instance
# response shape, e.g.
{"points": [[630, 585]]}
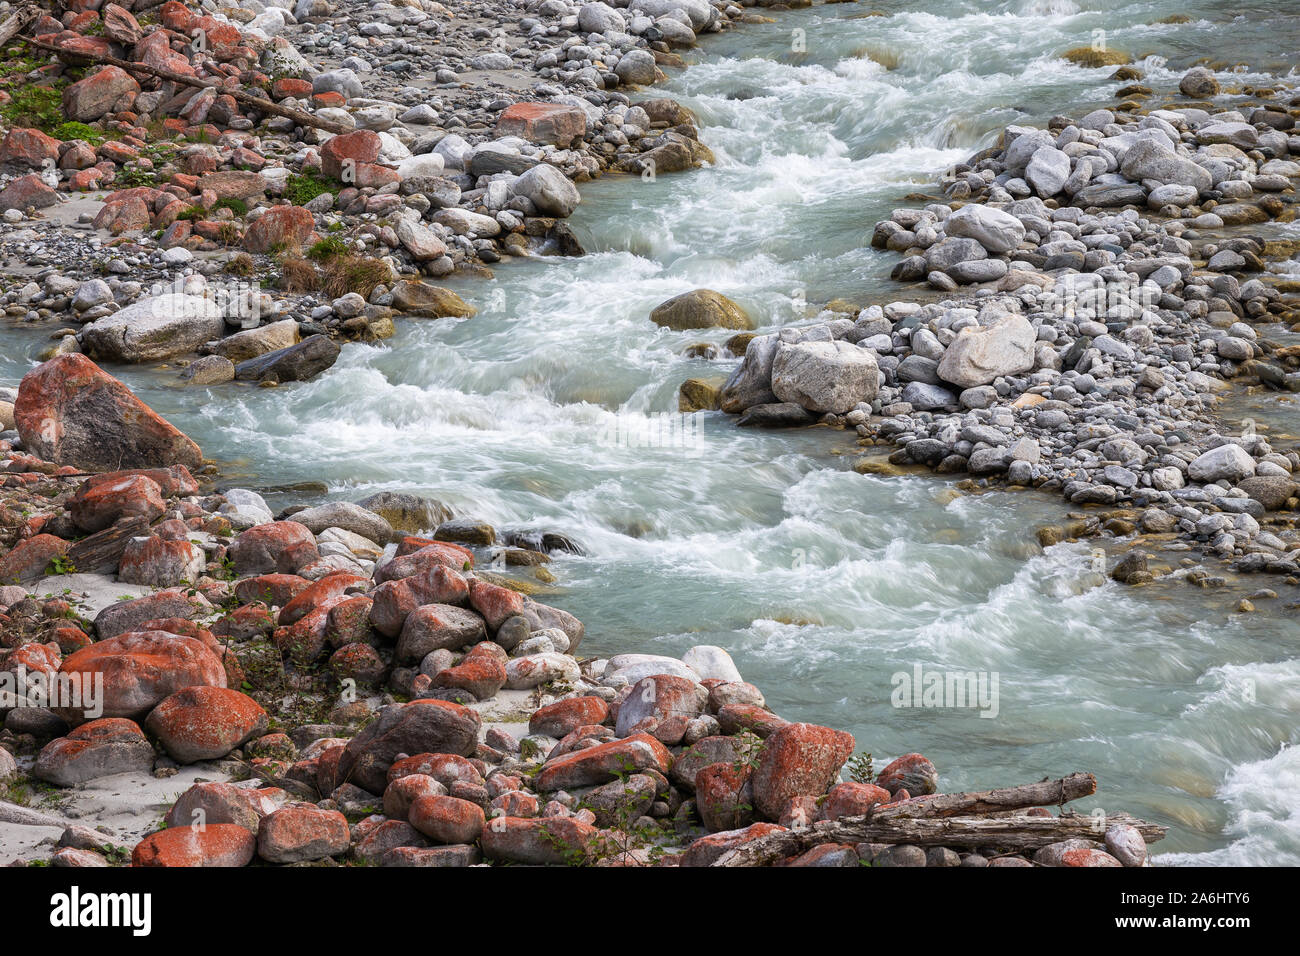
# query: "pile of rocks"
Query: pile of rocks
{"points": [[347, 190], [1089, 352]]}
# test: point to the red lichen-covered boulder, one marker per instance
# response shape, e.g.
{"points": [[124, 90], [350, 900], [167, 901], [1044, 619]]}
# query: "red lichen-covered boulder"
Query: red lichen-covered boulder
{"points": [[358, 662], [95, 749], [724, 796], [71, 412], [246, 622], [280, 227], [422, 559], [565, 716], [119, 25], [447, 819], [433, 856], [706, 850], [140, 669], [273, 590], [173, 481], [539, 841], [482, 672], [404, 791], [395, 600], [852, 800], [108, 90], [30, 559], [515, 803], [798, 759], [279, 546], [800, 812], [828, 854], [372, 843], [422, 726], [349, 621], [911, 772], [286, 87], [657, 698], [28, 147], [300, 832], [126, 215], [28, 192], [446, 769], [96, 505], [738, 718], [494, 602], [543, 123], [218, 844], [40, 661], [1080, 853], [434, 627], [603, 763], [304, 640], [341, 155], [204, 723], [412, 543], [330, 587], [205, 804]]}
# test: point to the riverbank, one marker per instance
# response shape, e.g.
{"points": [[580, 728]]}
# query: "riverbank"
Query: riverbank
{"points": [[307, 205], [1105, 305], [393, 702]]}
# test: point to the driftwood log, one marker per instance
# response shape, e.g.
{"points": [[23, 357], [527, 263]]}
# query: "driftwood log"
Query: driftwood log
{"points": [[17, 22], [26, 16], [101, 552], [976, 819]]}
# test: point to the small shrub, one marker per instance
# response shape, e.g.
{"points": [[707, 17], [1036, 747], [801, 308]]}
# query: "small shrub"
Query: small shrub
{"points": [[331, 247], [298, 275], [359, 274], [241, 265]]}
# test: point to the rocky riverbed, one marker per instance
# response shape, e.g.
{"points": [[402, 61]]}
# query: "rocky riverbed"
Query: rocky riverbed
{"points": [[318, 205], [364, 687], [1098, 305], [366, 690]]}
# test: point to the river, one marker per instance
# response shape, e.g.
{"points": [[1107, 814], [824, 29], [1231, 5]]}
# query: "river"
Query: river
{"points": [[822, 583]]}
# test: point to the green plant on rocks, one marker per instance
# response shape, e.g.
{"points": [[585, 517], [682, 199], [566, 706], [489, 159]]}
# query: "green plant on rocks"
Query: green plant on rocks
{"points": [[860, 768], [82, 131], [302, 188], [237, 206], [38, 107]]}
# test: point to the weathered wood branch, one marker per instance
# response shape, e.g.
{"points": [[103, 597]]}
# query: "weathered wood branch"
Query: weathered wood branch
{"points": [[301, 117], [17, 22], [974, 819], [1018, 833], [1045, 793], [102, 551]]}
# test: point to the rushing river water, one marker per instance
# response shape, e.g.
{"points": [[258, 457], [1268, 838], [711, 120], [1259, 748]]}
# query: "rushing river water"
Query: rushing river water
{"points": [[822, 583]]}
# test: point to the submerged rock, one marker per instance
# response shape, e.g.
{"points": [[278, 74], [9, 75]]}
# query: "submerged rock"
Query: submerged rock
{"points": [[700, 309]]}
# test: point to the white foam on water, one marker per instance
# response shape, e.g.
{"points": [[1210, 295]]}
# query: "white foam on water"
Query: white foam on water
{"points": [[1263, 800]]}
